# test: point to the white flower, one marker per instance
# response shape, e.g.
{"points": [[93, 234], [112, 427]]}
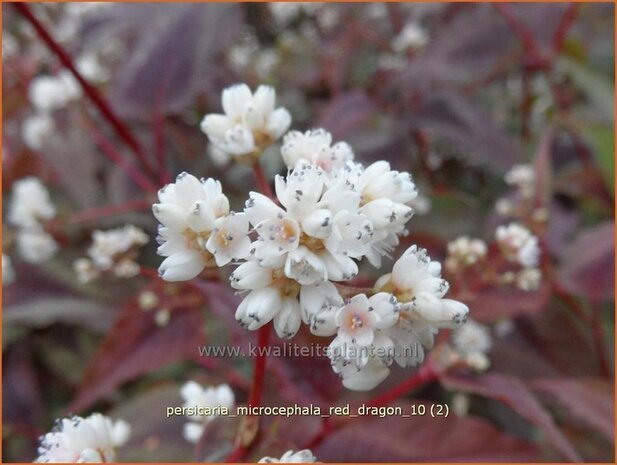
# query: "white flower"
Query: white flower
{"points": [[30, 203], [361, 341], [416, 283], [303, 456], [190, 211], [85, 270], [48, 93], [472, 337], [472, 341], [363, 378], [315, 235], [8, 273], [358, 320], [275, 297], [529, 279], [464, 252], [385, 198], [37, 129], [523, 177], [107, 246], [35, 245], [286, 12], [250, 122], [91, 68], [412, 36], [83, 440], [518, 244], [210, 397], [229, 238], [315, 147]]}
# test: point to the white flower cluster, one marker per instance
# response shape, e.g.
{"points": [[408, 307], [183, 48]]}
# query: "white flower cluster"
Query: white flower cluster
{"points": [[197, 228], [112, 251], [31, 206], [520, 246], [395, 324], [250, 122], [464, 252], [302, 456], [93, 439], [328, 214], [210, 397], [520, 203]]}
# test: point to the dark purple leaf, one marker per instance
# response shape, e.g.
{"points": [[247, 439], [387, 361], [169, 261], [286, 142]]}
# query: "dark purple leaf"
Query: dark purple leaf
{"points": [[513, 393], [588, 263], [589, 400]]}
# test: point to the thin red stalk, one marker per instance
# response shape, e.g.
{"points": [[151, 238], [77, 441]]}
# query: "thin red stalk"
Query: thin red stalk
{"points": [[567, 20], [262, 182], [524, 35], [109, 210], [110, 151], [121, 129]]}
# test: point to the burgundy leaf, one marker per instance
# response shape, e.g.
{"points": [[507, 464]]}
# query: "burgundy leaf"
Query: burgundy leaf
{"points": [[589, 400], [492, 304], [588, 263], [135, 346], [423, 439], [513, 393]]}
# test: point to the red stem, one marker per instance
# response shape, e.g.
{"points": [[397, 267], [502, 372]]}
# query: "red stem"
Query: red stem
{"points": [[121, 129], [262, 182], [109, 210], [567, 20], [116, 157], [524, 35]]}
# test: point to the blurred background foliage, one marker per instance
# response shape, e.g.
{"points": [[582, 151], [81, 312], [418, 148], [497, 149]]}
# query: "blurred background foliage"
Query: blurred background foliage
{"points": [[470, 90]]}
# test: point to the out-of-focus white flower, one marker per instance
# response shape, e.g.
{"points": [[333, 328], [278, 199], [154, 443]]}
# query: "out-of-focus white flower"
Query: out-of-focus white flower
{"points": [[529, 279], [464, 252], [472, 342], [91, 69], [250, 122], [112, 251], [8, 273], [286, 12], [85, 270], [209, 397], [35, 245], [315, 147], [412, 36], [518, 244], [504, 207], [30, 203], [37, 129], [303, 456], [48, 93], [83, 440], [189, 211], [266, 62], [108, 245], [523, 177]]}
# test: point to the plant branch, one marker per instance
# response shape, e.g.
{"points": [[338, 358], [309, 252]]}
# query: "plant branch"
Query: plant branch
{"points": [[121, 128]]}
